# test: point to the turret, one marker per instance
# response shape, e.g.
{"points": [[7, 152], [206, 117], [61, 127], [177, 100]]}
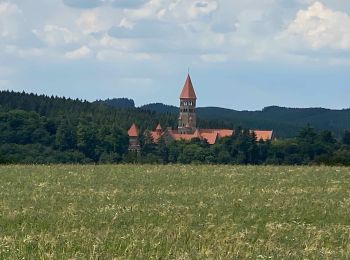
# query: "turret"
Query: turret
{"points": [[134, 142], [187, 118]]}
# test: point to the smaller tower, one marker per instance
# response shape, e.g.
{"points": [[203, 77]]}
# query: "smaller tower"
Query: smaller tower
{"points": [[159, 129], [134, 142], [187, 118]]}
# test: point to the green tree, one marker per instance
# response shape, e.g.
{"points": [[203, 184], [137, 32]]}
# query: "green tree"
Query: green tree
{"points": [[66, 137], [87, 140], [346, 137]]}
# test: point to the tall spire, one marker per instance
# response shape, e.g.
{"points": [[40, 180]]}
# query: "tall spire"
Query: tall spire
{"points": [[188, 90], [187, 118]]}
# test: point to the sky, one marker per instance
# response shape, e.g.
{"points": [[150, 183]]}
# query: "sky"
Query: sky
{"points": [[242, 54]]}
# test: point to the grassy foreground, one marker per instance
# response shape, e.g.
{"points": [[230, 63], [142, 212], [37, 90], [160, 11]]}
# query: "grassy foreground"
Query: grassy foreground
{"points": [[182, 212]]}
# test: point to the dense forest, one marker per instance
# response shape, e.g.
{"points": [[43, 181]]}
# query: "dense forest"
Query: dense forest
{"points": [[42, 129], [286, 122]]}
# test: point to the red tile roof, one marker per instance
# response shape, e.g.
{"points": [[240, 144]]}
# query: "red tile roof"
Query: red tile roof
{"points": [[208, 134], [197, 134], [188, 90], [220, 132], [263, 135], [176, 136], [210, 137], [133, 131], [155, 136]]}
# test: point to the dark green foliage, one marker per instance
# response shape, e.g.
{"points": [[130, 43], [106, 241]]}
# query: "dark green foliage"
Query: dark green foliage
{"points": [[160, 108], [309, 147], [119, 102], [41, 129], [286, 122], [346, 138], [70, 130]]}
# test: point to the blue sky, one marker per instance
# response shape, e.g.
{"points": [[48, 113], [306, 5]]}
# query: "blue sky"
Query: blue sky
{"points": [[242, 54]]}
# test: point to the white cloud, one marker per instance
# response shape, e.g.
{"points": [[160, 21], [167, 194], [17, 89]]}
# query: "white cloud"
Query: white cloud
{"points": [[179, 11], [97, 20], [125, 23], [108, 42], [209, 31], [15, 51], [114, 55], [202, 8], [149, 10], [7, 9], [99, 3], [88, 22], [54, 35], [9, 20], [82, 52], [319, 27], [214, 57]]}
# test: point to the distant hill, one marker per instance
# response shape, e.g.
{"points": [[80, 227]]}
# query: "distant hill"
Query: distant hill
{"points": [[42, 129], [118, 102], [160, 108], [285, 121]]}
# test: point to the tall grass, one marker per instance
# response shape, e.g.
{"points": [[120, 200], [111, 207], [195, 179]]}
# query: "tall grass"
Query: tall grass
{"points": [[182, 212]]}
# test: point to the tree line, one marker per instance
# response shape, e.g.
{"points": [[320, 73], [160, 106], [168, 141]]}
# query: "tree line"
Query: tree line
{"points": [[42, 129], [309, 147]]}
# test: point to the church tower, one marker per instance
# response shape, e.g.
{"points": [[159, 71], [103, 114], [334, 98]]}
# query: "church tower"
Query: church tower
{"points": [[187, 118]]}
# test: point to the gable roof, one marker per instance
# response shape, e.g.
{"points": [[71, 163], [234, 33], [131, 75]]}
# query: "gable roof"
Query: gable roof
{"points": [[133, 131], [263, 135], [176, 136], [188, 90], [212, 135], [159, 127], [220, 133]]}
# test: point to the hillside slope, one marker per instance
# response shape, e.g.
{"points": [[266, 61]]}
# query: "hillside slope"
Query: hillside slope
{"points": [[285, 121]]}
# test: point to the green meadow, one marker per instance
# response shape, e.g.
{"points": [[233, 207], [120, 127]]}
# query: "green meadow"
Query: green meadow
{"points": [[174, 212]]}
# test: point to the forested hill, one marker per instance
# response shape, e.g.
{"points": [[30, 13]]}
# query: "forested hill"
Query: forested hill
{"points": [[286, 122], [42, 129], [46, 129], [118, 102]]}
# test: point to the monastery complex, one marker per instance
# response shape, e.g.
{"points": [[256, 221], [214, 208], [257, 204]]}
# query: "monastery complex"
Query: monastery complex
{"points": [[187, 125]]}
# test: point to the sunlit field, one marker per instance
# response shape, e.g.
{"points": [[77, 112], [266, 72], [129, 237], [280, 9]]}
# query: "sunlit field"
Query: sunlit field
{"points": [[181, 212]]}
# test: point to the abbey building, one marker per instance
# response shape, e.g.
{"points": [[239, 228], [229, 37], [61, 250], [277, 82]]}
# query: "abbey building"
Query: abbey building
{"points": [[187, 125]]}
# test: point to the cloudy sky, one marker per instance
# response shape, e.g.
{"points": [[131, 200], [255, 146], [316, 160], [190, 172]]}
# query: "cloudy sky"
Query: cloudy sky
{"points": [[242, 54]]}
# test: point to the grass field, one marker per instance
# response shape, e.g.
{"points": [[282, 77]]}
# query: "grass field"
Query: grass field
{"points": [[181, 212]]}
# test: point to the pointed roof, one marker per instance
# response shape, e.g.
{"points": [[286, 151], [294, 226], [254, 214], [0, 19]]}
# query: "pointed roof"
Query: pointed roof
{"points": [[133, 131], [188, 90], [197, 134], [159, 128]]}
